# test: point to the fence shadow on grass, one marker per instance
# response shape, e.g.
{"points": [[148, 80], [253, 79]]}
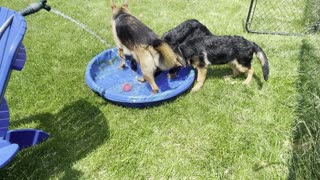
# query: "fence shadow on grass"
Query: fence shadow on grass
{"points": [[305, 163], [75, 131]]}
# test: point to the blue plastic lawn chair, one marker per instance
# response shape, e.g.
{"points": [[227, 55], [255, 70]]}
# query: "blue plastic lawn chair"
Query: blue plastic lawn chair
{"points": [[12, 57]]}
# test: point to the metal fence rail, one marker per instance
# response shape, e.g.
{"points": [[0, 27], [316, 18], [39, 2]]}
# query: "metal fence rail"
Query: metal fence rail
{"points": [[283, 17]]}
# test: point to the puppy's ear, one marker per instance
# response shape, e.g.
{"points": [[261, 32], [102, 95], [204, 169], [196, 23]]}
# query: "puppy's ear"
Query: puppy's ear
{"points": [[125, 4], [112, 4]]}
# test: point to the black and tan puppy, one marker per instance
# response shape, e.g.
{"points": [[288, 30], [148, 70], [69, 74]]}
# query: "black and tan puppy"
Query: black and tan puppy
{"points": [[185, 31], [132, 37], [200, 52]]}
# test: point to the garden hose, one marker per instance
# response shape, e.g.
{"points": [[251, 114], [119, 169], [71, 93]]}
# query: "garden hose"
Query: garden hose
{"points": [[35, 7]]}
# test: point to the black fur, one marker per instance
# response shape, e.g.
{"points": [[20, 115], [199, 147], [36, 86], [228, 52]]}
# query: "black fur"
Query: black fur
{"points": [[156, 43], [133, 62], [185, 31], [132, 32], [200, 48], [222, 50]]}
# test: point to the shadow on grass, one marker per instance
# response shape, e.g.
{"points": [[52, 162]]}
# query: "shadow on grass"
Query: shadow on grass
{"points": [[75, 131], [305, 163]]}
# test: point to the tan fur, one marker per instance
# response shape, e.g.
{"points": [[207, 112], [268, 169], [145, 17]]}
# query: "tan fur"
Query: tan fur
{"points": [[121, 49], [235, 64], [202, 72], [170, 59], [147, 69], [115, 9], [238, 68], [201, 77], [195, 62], [261, 58], [125, 4], [249, 76], [112, 5]]}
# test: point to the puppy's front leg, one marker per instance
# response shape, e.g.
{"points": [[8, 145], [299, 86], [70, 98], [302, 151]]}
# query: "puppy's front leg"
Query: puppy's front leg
{"points": [[202, 73]]}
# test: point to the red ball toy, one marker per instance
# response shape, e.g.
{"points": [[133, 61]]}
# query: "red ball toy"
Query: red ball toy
{"points": [[126, 87]]}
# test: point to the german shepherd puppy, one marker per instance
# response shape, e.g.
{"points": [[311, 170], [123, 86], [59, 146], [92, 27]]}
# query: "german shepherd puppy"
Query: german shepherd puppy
{"points": [[185, 31], [200, 52], [132, 37]]}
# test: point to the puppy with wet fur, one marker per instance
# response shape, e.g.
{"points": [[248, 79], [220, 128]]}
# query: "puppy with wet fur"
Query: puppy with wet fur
{"points": [[185, 31], [236, 51]]}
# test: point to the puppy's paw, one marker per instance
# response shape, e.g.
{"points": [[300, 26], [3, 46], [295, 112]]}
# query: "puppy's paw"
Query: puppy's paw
{"points": [[155, 91], [141, 79], [196, 88], [227, 77], [246, 82], [122, 65], [172, 75]]}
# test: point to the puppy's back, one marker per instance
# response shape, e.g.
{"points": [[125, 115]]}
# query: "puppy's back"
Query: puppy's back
{"points": [[229, 46], [185, 31], [132, 32]]}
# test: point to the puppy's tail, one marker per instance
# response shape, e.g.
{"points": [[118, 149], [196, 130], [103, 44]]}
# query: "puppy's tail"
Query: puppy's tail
{"points": [[169, 57], [263, 60]]}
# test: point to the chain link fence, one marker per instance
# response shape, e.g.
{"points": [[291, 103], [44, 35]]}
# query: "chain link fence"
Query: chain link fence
{"points": [[284, 17]]}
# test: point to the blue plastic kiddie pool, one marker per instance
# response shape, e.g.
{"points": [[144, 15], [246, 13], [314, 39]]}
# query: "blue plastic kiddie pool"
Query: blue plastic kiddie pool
{"points": [[105, 78]]}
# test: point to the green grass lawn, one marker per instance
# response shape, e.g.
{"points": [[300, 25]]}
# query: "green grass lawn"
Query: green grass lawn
{"points": [[225, 131]]}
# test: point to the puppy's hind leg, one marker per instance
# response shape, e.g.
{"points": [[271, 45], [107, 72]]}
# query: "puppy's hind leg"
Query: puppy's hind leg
{"points": [[150, 79], [122, 58], [235, 72], [246, 68], [249, 76], [240, 68], [148, 68], [141, 79]]}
